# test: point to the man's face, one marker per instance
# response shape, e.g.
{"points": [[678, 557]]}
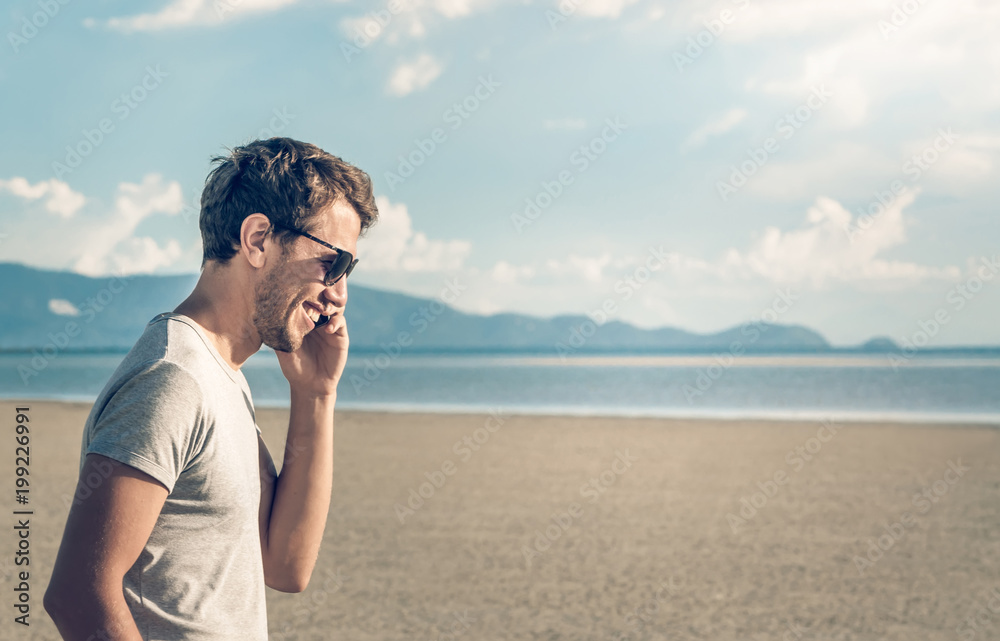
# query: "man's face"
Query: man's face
{"points": [[290, 296]]}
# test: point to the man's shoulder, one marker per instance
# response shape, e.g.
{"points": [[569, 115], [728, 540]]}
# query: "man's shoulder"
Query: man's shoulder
{"points": [[175, 339], [172, 368], [168, 351], [154, 413]]}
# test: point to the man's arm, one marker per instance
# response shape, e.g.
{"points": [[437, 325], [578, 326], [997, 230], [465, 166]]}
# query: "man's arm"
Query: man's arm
{"points": [[104, 534], [294, 505]]}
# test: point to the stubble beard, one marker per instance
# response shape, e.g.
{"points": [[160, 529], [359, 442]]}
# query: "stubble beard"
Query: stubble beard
{"points": [[273, 310]]}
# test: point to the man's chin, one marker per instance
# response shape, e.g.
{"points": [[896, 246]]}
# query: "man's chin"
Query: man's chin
{"points": [[284, 337], [283, 342]]}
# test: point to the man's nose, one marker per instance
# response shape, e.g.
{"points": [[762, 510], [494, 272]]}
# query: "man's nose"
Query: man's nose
{"points": [[336, 293]]}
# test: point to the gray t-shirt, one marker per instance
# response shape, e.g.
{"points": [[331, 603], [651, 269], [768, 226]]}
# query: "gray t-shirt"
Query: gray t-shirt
{"points": [[175, 410]]}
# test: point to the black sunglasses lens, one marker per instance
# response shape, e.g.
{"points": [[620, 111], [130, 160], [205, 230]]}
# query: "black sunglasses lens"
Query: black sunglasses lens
{"points": [[339, 268]]}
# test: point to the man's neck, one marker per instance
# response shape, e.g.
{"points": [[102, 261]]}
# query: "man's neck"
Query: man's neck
{"points": [[221, 306]]}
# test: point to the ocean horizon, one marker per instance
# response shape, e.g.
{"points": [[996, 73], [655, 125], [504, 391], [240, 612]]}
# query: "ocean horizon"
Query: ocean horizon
{"points": [[947, 386]]}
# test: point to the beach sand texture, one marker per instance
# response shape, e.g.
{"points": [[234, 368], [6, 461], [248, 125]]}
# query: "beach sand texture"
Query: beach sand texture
{"points": [[646, 552]]}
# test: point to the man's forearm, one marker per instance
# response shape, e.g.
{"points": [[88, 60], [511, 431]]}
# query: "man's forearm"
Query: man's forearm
{"points": [[86, 616], [301, 494]]}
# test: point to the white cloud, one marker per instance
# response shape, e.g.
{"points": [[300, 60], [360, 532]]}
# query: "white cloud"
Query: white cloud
{"points": [[632, 282], [100, 239], [817, 260], [413, 76], [363, 30], [186, 13], [504, 272], [410, 21], [393, 245], [135, 202], [59, 198], [969, 161], [757, 19], [111, 246], [825, 72], [143, 255], [62, 307], [458, 8], [855, 169], [833, 246], [602, 8], [590, 268], [715, 127], [940, 45], [844, 167]]}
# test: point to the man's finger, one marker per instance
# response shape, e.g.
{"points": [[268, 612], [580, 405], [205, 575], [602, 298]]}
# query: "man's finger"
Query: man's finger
{"points": [[335, 324]]}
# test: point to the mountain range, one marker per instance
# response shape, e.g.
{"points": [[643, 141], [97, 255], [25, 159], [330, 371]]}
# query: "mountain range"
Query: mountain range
{"points": [[74, 312]]}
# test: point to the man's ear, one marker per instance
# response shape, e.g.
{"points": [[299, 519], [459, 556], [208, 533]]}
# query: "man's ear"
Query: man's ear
{"points": [[255, 239]]}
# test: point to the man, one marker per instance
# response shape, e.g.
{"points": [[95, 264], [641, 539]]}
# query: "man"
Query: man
{"points": [[188, 520]]}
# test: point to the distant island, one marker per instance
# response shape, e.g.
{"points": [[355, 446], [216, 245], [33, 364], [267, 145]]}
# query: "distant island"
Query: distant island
{"points": [[77, 313]]}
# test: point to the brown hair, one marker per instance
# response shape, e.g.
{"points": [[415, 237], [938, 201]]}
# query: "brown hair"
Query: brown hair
{"points": [[286, 180]]}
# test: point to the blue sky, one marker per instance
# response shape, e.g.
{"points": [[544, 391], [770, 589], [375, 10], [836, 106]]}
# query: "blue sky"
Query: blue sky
{"points": [[690, 161]]}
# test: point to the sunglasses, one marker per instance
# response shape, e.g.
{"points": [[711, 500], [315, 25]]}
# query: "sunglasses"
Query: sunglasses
{"points": [[339, 268]]}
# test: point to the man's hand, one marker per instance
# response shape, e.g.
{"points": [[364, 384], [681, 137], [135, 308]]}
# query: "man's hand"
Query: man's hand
{"points": [[315, 369]]}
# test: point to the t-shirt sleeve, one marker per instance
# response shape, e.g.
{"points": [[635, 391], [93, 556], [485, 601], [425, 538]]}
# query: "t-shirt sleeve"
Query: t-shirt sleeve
{"points": [[154, 422]]}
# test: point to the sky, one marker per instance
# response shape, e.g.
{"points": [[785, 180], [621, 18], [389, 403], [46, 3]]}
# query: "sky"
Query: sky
{"points": [[697, 164]]}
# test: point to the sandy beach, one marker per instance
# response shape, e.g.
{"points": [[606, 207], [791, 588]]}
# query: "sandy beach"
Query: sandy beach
{"points": [[525, 527]]}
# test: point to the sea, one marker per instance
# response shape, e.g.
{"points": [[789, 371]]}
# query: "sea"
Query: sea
{"points": [[952, 387]]}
